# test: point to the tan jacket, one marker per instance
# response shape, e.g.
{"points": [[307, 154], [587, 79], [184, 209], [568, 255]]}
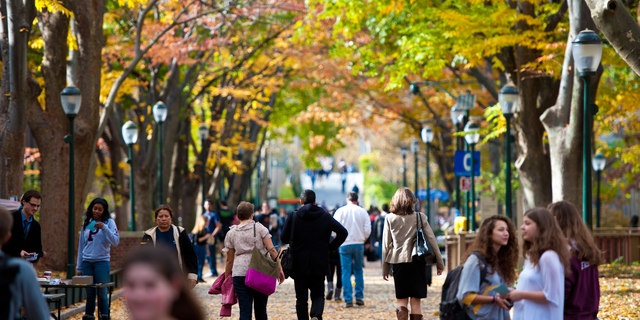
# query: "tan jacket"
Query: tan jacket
{"points": [[399, 239]]}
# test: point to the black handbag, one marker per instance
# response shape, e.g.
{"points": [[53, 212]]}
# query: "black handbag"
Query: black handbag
{"points": [[286, 255], [422, 252]]}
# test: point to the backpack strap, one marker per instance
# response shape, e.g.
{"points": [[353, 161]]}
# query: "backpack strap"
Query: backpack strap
{"points": [[483, 266]]}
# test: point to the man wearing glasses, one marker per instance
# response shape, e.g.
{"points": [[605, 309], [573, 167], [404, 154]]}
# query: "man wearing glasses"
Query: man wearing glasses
{"points": [[26, 240]]}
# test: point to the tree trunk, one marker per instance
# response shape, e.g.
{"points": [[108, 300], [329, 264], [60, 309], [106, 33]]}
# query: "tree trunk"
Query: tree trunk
{"points": [[17, 19], [619, 27]]}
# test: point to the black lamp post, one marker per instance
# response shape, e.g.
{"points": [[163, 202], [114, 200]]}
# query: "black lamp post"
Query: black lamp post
{"points": [[160, 115], [414, 150], [457, 117], [404, 166], [472, 137], [509, 103], [599, 162], [427, 137], [71, 98], [130, 137], [587, 52], [203, 131]]}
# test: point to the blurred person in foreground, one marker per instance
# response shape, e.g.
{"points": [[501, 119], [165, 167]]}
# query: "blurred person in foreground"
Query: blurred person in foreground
{"points": [[581, 287], [19, 289], [398, 242], [154, 287], [97, 235], [176, 240]]}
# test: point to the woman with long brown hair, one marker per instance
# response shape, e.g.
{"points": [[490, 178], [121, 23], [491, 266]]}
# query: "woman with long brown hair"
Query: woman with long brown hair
{"points": [[496, 249], [581, 287], [540, 290]]}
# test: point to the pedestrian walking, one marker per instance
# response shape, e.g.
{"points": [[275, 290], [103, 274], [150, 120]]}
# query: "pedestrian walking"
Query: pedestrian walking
{"points": [[356, 220], [26, 242], [540, 290], [239, 244], [154, 287], [175, 238], [310, 245], [98, 234], [200, 237], [398, 242], [19, 289], [214, 227], [334, 269], [581, 286], [495, 248]]}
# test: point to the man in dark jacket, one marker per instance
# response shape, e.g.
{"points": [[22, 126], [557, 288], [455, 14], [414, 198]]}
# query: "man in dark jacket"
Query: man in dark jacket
{"points": [[310, 245], [26, 239]]}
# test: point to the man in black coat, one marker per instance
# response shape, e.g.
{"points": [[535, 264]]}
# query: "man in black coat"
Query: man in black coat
{"points": [[310, 245], [26, 239]]}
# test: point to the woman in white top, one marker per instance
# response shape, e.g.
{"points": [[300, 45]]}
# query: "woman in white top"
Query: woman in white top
{"points": [[540, 290]]}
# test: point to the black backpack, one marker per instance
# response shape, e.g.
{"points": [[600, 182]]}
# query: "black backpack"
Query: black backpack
{"points": [[378, 227], [450, 307], [8, 276]]}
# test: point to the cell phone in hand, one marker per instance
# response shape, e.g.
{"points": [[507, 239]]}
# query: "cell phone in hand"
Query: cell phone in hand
{"points": [[501, 289], [92, 225]]}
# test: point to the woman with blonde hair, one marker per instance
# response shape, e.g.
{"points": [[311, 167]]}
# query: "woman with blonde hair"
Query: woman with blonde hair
{"points": [[398, 242], [581, 287], [495, 249], [201, 235], [540, 290]]}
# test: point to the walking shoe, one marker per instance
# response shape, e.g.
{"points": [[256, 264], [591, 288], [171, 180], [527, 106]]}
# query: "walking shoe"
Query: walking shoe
{"points": [[402, 313], [415, 316], [329, 295], [349, 305], [338, 296], [360, 302], [314, 318]]}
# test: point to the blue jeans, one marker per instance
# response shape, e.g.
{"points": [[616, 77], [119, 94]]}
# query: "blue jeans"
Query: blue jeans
{"points": [[100, 272], [212, 257], [351, 256], [201, 254], [249, 299]]}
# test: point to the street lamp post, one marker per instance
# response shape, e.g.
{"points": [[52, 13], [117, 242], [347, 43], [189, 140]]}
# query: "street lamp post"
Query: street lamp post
{"points": [[71, 98], [130, 137], [414, 150], [509, 102], [587, 52], [427, 137], [457, 117], [160, 115], [404, 166], [599, 162], [203, 131], [472, 137]]}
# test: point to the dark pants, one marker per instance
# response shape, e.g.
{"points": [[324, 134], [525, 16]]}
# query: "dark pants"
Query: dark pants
{"points": [[250, 299], [335, 268], [304, 284], [212, 257]]}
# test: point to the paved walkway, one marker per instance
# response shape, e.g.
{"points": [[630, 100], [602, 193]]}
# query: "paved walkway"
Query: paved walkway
{"points": [[379, 300]]}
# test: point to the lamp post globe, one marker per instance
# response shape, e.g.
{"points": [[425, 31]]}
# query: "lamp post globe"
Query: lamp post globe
{"points": [[130, 137], [457, 115], [427, 135], [472, 136], [587, 52], [509, 99], [160, 112], [71, 98], [203, 131], [599, 162]]}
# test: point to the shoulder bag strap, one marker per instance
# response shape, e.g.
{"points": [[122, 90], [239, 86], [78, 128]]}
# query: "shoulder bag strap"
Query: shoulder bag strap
{"points": [[293, 227]]}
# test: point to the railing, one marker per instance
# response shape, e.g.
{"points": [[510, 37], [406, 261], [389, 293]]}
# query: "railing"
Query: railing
{"points": [[614, 243]]}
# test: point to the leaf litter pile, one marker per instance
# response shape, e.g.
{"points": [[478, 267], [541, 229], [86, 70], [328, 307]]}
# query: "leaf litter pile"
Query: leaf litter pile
{"points": [[619, 286]]}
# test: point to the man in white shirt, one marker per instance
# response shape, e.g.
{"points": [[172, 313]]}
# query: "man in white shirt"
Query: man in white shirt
{"points": [[356, 220]]}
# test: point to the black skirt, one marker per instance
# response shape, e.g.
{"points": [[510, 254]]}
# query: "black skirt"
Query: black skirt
{"points": [[410, 280]]}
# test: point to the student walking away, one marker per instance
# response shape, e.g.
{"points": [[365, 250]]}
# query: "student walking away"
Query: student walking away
{"points": [[200, 237], [26, 242], [540, 290], [154, 288], [334, 268], [398, 242], [377, 231], [356, 220], [494, 250], [166, 234], [98, 234], [19, 289], [581, 286], [214, 227], [239, 244], [310, 245]]}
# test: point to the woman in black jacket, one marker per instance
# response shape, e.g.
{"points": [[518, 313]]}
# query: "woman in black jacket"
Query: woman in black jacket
{"points": [[176, 239]]}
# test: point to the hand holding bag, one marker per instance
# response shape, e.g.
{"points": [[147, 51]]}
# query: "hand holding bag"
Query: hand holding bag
{"points": [[422, 252], [263, 271], [286, 255]]}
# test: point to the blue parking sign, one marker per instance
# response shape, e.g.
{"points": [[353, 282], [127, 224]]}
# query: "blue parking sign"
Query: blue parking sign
{"points": [[462, 164]]}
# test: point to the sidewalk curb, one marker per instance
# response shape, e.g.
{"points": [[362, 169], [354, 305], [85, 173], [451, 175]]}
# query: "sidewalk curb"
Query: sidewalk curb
{"points": [[80, 308]]}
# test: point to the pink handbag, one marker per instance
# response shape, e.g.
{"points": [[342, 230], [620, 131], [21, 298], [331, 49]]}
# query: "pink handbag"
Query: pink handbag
{"points": [[263, 272]]}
